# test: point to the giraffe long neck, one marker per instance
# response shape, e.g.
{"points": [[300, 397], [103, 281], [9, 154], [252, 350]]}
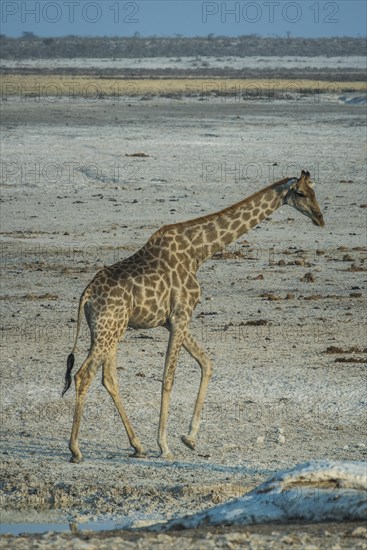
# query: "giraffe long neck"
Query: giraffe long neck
{"points": [[211, 234]]}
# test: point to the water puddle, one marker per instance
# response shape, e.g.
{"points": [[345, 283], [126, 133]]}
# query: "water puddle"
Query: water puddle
{"points": [[33, 528]]}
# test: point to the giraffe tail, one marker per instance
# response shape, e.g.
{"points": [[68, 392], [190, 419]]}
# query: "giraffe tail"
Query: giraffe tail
{"points": [[69, 366], [70, 360]]}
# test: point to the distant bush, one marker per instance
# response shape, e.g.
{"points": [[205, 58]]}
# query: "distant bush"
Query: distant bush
{"points": [[31, 46]]}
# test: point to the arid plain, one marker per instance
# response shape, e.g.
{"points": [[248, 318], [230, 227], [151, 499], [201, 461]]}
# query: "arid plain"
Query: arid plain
{"points": [[85, 181]]}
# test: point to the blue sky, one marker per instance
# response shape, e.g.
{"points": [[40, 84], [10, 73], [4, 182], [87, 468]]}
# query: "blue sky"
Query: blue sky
{"points": [[305, 18]]}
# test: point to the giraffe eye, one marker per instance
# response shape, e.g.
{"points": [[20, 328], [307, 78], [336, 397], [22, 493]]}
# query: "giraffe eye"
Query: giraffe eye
{"points": [[300, 194]]}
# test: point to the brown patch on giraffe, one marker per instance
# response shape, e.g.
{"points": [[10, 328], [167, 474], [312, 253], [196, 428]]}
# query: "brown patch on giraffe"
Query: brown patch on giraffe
{"points": [[243, 228], [114, 292], [165, 255], [192, 283], [274, 202], [211, 232], [161, 286], [175, 279], [227, 239], [182, 242], [257, 201], [197, 241], [269, 196], [235, 225], [223, 222], [149, 293]]}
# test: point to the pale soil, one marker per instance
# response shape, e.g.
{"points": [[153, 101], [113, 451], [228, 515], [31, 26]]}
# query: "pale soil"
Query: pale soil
{"points": [[326, 535], [73, 201]]}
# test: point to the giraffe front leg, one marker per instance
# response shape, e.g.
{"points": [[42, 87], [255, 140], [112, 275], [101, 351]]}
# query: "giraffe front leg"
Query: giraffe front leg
{"points": [[197, 353], [110, 382], [177, 334]]}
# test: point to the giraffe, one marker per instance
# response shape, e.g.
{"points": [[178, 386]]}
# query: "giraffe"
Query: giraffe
{"points": [[158, 286]]}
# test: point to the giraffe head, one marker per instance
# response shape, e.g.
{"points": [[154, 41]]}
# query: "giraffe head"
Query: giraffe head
{"points": [[302, 197]]}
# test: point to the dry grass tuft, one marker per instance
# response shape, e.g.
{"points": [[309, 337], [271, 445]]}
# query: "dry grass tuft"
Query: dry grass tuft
{"points": [[47, 86]]}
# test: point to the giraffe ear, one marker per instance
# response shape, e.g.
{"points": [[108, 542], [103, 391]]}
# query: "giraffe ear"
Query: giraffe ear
{"points": [[292, 183]]}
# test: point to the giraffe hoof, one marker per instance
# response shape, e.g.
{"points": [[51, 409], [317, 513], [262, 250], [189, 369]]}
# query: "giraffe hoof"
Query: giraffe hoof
{"points": [[188, 441], [76, 459], [167, 456], [138, 454]]}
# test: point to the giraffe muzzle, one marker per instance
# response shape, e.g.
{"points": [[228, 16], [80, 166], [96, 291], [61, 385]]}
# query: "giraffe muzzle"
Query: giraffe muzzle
{"points": [[318, 219]]}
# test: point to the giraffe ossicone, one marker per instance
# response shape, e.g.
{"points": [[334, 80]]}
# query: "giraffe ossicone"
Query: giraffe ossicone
{"points": [[158, 286]]}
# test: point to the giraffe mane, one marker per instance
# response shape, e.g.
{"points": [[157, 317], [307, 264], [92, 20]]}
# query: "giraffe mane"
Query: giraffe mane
{"points": [[282, 184]]}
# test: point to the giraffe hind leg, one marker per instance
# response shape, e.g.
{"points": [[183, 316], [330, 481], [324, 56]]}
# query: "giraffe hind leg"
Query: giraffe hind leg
{"points": [[83, 379]]}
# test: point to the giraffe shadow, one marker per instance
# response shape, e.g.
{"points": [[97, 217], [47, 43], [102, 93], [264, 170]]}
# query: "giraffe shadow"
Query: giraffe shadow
{"points": [[202, 466], [54, 448]]}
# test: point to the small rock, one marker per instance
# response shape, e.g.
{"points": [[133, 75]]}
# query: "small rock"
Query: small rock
{"points": [[299, 261], [260, 440], [269, 296], [359, 532], [289, 540], [308, 278], [141, 155]]}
